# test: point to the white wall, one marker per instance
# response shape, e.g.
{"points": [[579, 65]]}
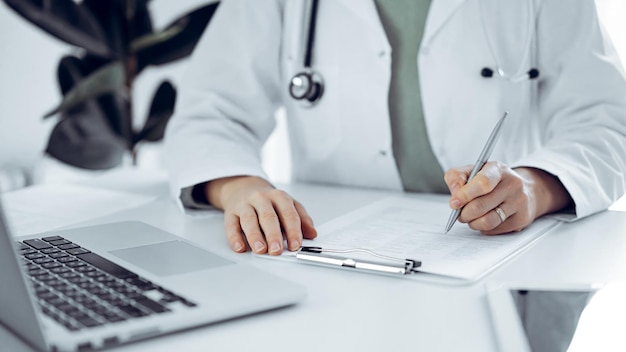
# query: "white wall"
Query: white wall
{"points": [[613, 16], [28, 60]]}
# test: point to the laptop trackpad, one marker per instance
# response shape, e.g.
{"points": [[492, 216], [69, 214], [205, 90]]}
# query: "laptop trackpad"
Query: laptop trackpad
{"points": [[170, 258]]}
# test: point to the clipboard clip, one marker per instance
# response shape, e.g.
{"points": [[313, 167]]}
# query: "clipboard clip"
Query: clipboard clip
{"points": [[392, 265]]}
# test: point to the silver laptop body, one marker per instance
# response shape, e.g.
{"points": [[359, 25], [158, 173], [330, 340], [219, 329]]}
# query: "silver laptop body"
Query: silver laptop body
{"points": [[177, 286]]}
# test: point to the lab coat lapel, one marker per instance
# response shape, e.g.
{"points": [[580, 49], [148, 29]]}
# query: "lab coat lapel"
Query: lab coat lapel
{"points": [[367, 11], [439, 13]]}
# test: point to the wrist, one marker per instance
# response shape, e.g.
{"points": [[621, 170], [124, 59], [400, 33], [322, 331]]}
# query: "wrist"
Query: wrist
{"points": [[547, 191], [222, 191]]}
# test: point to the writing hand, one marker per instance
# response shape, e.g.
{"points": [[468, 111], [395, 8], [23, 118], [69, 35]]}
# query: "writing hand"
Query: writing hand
{"points": [[522, 194]]}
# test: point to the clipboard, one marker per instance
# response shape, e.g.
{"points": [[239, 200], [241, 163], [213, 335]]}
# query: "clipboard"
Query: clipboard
{"points": [[362, 261], [404, 237]]}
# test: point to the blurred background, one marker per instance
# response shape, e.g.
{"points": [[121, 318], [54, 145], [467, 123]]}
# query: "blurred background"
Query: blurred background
{"points": [[29, 89]]}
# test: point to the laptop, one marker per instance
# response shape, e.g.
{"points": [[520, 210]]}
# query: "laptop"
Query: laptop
{"points": [[101, 286]]}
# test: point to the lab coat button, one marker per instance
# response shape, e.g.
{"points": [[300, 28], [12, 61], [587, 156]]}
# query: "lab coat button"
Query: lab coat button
{"points": [[382, 152], [382, 53]]}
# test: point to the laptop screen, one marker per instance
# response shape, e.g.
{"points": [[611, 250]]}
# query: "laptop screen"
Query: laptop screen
{"points": [[17, 311]]}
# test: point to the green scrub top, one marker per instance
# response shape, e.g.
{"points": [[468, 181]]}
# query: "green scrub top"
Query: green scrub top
{"points": [[404, 22]]}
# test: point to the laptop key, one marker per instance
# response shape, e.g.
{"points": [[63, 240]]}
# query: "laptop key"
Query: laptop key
{"points": [[46, 295], [51, 265], [69, 275], [75, 264], [35, 255], [77, 280], [86, 301], [114, 318], [85, 269], [77, 251], [88, 322], [37, 272], [46, 277], [59, 242], [27, 250], [50, 250], [52, 238], [151, 305], [58, 255], [68, 246], [55, 282], [141, 283], [131, 310], [79, 314], [55, 300], [94, 274], [43, 260], [60, 270], [67, 308], [37, 243], [106, 265]]}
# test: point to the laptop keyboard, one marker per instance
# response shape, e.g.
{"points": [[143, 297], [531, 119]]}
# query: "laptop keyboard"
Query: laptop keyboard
{"points": [[80, 289]]}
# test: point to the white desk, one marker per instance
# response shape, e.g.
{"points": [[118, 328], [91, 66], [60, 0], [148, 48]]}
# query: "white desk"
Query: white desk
{"points": [[362, 312]]}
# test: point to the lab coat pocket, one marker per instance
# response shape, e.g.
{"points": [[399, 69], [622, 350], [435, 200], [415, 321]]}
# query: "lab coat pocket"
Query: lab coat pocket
{"points": [[316, 130]]}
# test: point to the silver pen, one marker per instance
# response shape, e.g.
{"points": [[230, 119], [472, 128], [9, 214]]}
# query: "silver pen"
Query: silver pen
{"points": [[482, 160]]}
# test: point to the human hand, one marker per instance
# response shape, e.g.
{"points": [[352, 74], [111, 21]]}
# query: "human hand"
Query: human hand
{"points": [[521, 194], [260, 215]]}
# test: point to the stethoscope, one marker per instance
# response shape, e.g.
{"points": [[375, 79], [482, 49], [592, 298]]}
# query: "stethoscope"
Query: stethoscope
{"points": [[307, 86]]}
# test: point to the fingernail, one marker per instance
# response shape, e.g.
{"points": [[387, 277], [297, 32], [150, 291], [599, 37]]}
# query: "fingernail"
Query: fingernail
{"points": [[259, 246], [274, 247], [237, 246], [294, 245], [455, 203]]}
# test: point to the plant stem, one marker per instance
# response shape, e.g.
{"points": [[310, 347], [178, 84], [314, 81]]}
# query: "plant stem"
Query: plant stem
{"points": [[131, 72], [133, 155]]}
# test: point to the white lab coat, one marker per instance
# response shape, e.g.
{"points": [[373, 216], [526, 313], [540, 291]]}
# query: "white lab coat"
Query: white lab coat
{"points": [[570, 122]]}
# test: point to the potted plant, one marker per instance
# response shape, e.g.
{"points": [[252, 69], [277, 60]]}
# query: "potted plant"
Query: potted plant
{"points": [[116, 42]]}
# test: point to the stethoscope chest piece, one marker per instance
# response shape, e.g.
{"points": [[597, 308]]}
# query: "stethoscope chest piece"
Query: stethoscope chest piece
{"points": [[307, 87]]}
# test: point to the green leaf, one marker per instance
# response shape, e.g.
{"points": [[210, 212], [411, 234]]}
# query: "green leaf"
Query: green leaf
{"points": [[161, 109], [108, 79], [149, 40], [112, 106], [65, 20], [83, 140], [111, 16], [172, 43]]}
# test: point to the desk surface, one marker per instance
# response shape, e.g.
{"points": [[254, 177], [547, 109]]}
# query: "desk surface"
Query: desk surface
{"points": [[347, 311]]}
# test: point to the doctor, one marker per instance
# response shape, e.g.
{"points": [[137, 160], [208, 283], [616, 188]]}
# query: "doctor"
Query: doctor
{"points": [[389, 94]]}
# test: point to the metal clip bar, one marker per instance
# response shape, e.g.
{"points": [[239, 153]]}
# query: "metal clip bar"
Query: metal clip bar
{"points": [[315, 254]]}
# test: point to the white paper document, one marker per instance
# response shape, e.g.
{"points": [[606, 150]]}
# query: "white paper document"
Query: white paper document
{"points": [[47, 207], [414, 229]]}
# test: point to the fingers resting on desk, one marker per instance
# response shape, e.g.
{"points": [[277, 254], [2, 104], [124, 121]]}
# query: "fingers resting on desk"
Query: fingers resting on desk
{"points": [[258, 216]]}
